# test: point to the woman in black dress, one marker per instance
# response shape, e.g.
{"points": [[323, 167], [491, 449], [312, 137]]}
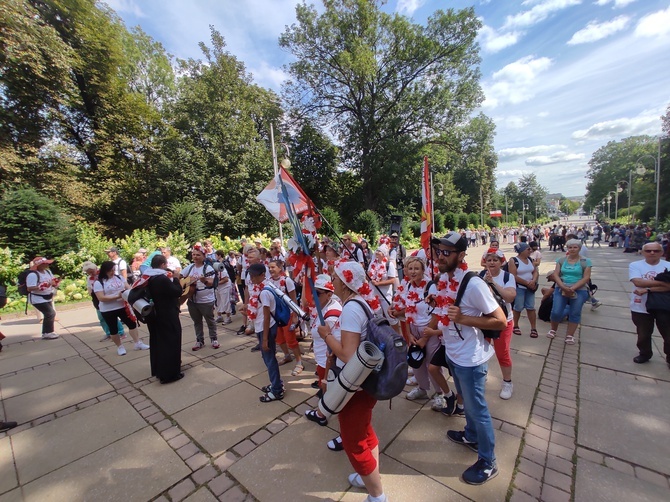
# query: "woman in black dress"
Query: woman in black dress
{"points": [[163, 322]]}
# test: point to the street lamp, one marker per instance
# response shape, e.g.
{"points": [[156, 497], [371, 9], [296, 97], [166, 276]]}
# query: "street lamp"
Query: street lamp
{"points": [[524, 207], [657, 172], [609, 203], [619, 189]]}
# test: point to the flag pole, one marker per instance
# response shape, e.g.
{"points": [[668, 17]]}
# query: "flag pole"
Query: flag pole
{"points": [[276, 170]]}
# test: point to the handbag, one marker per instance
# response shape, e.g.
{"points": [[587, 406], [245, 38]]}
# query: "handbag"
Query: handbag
{"points": [[659, 300]]}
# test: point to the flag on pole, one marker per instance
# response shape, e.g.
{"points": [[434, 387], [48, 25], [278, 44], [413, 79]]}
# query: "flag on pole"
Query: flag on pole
{"points": [[426, 207], [273, 200], [497, 213]]}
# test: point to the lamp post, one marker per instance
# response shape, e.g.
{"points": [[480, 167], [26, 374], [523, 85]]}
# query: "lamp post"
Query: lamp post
{"points": [[481, 206], [619, 189], [609, 203], [432, 201], [657, 172], [524, 206]]}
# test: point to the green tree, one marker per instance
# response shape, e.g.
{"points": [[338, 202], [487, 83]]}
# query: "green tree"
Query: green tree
{"points": [[384, 85], [33, 225], [533, 195], [368, 223], [184, 217]]}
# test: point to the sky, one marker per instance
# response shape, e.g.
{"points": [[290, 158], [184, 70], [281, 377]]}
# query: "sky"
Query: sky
{"points": [[561, 78]]}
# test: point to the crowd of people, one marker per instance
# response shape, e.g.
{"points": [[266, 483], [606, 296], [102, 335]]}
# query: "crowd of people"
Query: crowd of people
{"points": [[420, 295]]}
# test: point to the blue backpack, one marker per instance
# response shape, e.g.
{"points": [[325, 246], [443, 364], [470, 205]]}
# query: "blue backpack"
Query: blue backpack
{"points": [[282, 314]]}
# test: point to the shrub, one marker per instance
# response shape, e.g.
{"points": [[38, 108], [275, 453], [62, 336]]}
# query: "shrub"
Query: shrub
{"points": [[450, 221], [32, 224], [10, 266], [474, 220], [140, 238], [368, 224], [334, 225], [439, 223], [92, 241], [185, 218], [463, 222]]}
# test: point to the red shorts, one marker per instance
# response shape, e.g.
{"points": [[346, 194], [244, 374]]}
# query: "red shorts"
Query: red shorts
{"points": [[358, 436], [321, 373], [501, 346], [287, 336]]}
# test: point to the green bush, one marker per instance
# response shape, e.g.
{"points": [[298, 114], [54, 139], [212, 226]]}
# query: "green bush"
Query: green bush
{"points": [[69, 264], [185, 217], [415, 229], [33, 225], [474, 220], [92, 241], [463, 221], [10, 266], [439, 223], [450, 221], [368, 223], [334, 225]]}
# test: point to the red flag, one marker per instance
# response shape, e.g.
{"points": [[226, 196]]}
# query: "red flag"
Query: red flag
{"points": [[273, 201], [426, 207], [495, 214]]}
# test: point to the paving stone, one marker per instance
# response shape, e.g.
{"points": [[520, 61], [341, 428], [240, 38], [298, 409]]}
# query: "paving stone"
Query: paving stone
{"points": [[534, 454], [651, 477], [162, 498], [538, 431], [276, 426], [170, 433], [519, 496], [163, 425], [536, 442], [544, 413], [564, 419], [155, 418], [552, 494], [512, 429], [179, 441], [244, 447], [527, 484], [220, 484], [197, 460], [181, 490], [566, 430], [620, 466], [571, 394], [531, 469], [202, 476], [565, 410], [143, 405], [558, 479], [138, 399], [290, 417], [86, 404], [188, 450], [566, 441], [109, 395], [560, 464], [43, 420], [261, 436], [541, 421], [561, 451], [235, 494], [225, 460], [596, 482], [148, 411], [592, 456], [547, 405]]}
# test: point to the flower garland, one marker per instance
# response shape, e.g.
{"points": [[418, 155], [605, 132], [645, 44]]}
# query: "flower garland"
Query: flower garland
{"points": [[253, 303], [408, 297], [377, 270], [447, 289]]}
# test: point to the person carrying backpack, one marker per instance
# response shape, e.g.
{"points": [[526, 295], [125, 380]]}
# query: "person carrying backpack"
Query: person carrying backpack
{"points": [[359, 439], [40, 286], [200, 304], [464, 349]]}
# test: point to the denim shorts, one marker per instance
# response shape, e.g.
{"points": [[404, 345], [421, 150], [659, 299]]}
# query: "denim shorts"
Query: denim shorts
{"points": [[525, 299]]}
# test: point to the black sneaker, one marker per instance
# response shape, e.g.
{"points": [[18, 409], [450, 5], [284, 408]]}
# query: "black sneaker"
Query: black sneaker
{"points": [[480, 472], [641, 359], [256, 348], [459, 437], [450, 408], [242, 329], [460, 411]]}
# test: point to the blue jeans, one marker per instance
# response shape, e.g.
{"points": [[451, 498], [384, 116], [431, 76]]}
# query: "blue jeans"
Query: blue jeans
{"points": [[575, 306], [105, 328], [470, 383], [270, 360]]}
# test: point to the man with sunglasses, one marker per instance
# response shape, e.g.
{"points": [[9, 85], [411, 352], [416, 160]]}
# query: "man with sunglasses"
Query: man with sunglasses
{"points": [[642, 273], [464, 348]]}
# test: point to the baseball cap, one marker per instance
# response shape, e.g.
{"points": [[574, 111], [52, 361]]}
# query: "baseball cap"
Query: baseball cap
{"points": [[453, 239], [394, 234], [40, 260], [415, 356], [112, 249]]}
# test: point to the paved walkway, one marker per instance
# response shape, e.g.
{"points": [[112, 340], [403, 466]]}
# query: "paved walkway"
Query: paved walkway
{"points": [[585, 422]]}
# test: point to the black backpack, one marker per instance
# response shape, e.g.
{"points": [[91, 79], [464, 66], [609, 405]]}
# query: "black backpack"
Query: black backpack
{"points": [[505, 267], [143, 294], [232, 273], [389, 380], [488, 333], [21, 281]]}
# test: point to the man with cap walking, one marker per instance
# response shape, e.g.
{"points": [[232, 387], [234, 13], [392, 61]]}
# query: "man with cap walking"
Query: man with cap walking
{"points": [[465, 350]]}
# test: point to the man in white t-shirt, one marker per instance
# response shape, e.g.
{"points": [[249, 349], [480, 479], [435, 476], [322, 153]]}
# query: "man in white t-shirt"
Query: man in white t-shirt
{"points": [[466, 350], [201, 302], [642, 274], [120, 265], [172, 261]]}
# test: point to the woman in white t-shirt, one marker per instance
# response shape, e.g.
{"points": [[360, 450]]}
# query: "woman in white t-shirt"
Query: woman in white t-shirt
{"points": [[495, 277], [358, 437], [109, 288], [525, 274], [383, 274]]}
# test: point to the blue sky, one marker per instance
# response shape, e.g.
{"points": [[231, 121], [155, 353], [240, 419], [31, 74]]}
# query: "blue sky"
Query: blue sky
{"points": [[561, 77]]}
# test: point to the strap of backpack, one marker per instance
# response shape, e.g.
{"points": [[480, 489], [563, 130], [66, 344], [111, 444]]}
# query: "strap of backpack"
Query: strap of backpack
{"points": [[461, 288], [277, 299], [363, 305]]}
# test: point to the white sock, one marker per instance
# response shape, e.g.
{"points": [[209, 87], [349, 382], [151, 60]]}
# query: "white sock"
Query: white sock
{"points": [[381, 498], [449, 395]]}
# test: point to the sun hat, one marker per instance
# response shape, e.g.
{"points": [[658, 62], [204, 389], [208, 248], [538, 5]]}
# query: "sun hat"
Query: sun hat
{"points": [[40, 260], [351, 273], [324, 282], [521, 247], [88, 265], [383, 249]]}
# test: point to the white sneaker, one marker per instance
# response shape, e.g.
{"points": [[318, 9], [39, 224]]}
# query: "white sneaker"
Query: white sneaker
{"points": [[507, 389], [49, 336], [141, 346], [417, 393], [410, 371], [121, 350], [594, 306], [411, 381], [356, 481], [439, 402], [227, 320]]}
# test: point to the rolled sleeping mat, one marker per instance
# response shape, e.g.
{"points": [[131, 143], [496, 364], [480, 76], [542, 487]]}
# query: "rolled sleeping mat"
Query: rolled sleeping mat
{"points": [[341, 388], [289, 303], [141, 306]]}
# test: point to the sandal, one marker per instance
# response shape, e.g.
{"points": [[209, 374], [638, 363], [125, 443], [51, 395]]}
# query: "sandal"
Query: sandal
{"points": [[335, 444], [533, 333], [313, 416], [285, 360], [268, 388], [298, 369], [570, 340], [268, 397], [516, 331], [551, 334]]}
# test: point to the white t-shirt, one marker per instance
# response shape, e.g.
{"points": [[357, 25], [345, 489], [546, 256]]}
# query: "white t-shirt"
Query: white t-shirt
{"points": [[386, 291], [511, 283], [473, 349], [223, 274], [173, 263], [111, 287], [265, 299], [642, 270], [284, 283], [524, 270], [43, 280], [119, 265], [320, 347], [202, 294], [535, 256], [353, 319]]}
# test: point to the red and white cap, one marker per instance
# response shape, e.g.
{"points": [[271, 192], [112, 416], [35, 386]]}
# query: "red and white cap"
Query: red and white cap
{"points": [[40, 260], [324, 283]]}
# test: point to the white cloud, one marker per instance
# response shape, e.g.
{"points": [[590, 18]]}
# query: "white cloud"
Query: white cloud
{"points": [[543, 114], [538, 13], [409, 7], [514, 82], [555, 158], [654, 25], [617, 3], [268, 76], [515, 153], [126, 6], [512, 173], [648, 122], [597, 31], [515, 122], [493, 41]]}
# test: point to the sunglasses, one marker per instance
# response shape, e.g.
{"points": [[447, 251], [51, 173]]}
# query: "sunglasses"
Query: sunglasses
{"points": [[443, 252], [653, 250]]}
